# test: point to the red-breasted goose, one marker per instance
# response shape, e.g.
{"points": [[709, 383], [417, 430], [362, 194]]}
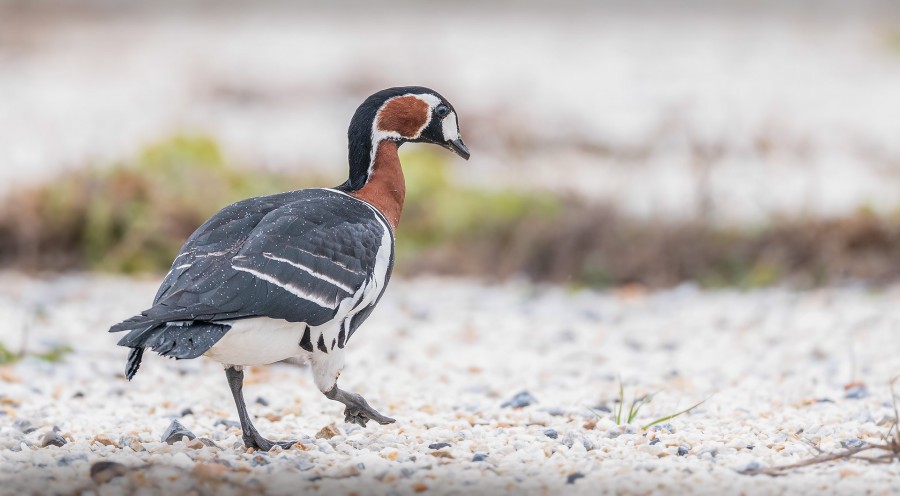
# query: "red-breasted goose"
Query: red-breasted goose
{"points": [[295, 274]]}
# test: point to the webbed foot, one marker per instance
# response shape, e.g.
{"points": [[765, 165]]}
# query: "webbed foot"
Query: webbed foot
{"points": [[262, 444], [358, 410]]}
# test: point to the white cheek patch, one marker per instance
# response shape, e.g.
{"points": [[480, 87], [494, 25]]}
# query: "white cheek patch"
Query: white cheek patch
{"points": [[430, 99], [449, 127]]}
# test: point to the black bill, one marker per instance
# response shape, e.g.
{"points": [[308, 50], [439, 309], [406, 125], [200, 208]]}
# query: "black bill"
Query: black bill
{"points": [[460, 148]]}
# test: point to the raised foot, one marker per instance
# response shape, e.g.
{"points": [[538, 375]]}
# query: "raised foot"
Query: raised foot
{"points": [[358, 410], [357, 415]]}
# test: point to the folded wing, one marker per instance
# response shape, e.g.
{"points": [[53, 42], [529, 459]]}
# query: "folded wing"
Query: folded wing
{"points": [[296, 256]]}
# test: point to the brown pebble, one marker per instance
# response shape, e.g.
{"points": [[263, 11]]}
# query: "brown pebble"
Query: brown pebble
{"points": [[442, 454], [209, 471], [328, 432], [6, 375], [104, 440], [195, 444], [132, 442], [419, 487], [209, 442], [349, 471], [103, 472], [847, 472]]}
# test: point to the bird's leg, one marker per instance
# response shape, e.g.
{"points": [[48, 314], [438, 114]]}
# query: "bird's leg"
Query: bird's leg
{"points": [[252, 438], [358, 410], [326, 369]]}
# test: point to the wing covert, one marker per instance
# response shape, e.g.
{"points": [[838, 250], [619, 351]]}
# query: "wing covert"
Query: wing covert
{"points": [[296, 256]]}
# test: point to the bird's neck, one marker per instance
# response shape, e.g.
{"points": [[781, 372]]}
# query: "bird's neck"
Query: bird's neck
{"points": [[384, 186]]}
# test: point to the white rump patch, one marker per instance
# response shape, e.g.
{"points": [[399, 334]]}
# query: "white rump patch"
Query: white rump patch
{"points": [[258, 341]]}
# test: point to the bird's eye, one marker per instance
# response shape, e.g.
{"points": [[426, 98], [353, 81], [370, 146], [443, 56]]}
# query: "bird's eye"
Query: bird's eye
{"points": [[442, 110]]}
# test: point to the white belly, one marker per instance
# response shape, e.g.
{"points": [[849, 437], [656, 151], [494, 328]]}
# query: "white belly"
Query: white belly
{"points": [[258, 341]]}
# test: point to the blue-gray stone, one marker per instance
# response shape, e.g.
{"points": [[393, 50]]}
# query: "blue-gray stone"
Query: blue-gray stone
{"points": [[856, 392], [571, 478], [24, 426], [753, 467], [175, 432], [228, 423], [65, 461], [520, 400], [853, 443], [51, 438]]}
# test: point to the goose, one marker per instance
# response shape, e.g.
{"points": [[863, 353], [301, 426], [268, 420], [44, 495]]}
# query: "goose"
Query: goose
{"points": [[294, 275]]}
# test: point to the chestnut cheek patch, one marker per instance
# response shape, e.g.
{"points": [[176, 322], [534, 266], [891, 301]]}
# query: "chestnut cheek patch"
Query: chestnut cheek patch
{"points": [[405, 115]]}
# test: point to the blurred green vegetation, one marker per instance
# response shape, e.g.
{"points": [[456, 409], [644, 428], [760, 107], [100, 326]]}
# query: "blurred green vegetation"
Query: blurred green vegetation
{"points": [[53, 355], [893, 41], [6, 356], [439, 212], [132, 217]]}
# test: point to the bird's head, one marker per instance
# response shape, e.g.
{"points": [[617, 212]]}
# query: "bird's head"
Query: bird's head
{"points": [[402, 114], [409, 114], [419, 115]]}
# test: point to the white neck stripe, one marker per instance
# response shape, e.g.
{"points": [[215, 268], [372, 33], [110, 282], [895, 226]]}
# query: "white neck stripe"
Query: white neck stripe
{"points": [[378, 135]]}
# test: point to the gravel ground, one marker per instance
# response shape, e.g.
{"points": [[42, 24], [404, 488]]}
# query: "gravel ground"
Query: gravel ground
{"points": [[443, 356]]}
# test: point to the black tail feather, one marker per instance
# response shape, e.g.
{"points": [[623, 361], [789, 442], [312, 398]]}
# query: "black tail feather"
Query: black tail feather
{"points": [[175, 339], [134, 362], [138, 321]]}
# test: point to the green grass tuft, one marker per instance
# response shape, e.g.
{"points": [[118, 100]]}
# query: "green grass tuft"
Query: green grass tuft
{"points": [[637, 403]]}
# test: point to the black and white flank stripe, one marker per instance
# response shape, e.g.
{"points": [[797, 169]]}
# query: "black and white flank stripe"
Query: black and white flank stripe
{"points": [[319, 257]]}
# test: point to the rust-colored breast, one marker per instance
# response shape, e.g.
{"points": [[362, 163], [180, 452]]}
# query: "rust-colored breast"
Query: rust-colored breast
{"points": [[386, 188], [406, 115]]}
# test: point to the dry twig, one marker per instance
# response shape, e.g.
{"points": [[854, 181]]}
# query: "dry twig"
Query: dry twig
{"points": [[890, 448]]}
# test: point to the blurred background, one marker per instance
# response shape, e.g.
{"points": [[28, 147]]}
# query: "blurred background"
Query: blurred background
{"points": [[728, 143]]}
